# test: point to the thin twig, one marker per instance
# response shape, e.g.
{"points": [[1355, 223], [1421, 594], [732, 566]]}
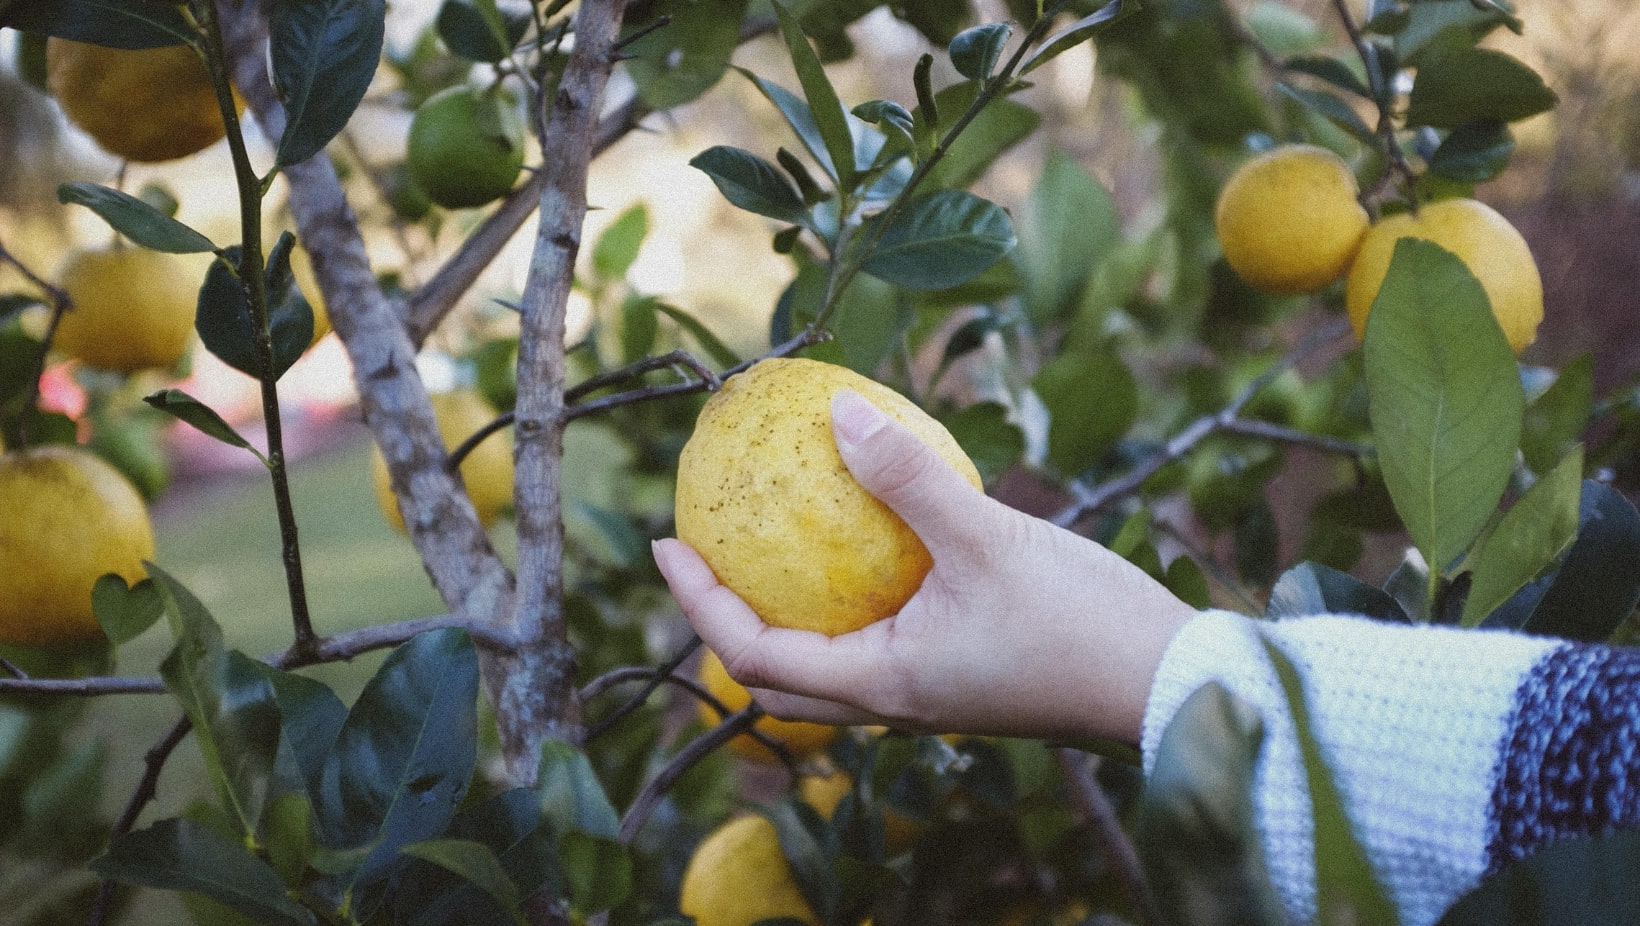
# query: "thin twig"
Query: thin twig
{"points": [[1096, 808], [670, 360], [700, 747], [12, 668], [1253, 427], [1383, 93], [660, 675], [60, 303], [90, 686], [146, 789]]}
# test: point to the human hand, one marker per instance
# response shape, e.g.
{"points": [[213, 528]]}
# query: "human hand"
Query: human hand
{"points": [[1020, 628]]}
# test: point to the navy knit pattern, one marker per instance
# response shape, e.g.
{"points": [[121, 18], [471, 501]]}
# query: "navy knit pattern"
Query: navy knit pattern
{"points": [[1571, 763]]}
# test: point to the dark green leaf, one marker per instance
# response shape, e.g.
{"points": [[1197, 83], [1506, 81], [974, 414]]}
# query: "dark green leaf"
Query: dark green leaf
{"points": [[322, 55], [474, 862], [752, 183], [1188, 583], [510, 825], [1091, 402], [1433, 25], [1258, 544], [182, 855], [1588, 880], [223, 318], [802, 841], [827, 110], [891, 117], [201, 416], [940, 239], [287, 835], [626, 544], [798, 116], [1310, 588], [1598, 585], [1446, 399], [1068, 225], [1331, 70], [402, 760], [998, 127], [235, 717], [869, 322], [1475, 152], [136, 219], [975, 52], [1195, 833], [598, 869], [709, 342], [618, 246], [125, 612], [639, 327], [482, 30], [131, 24], [310, 717], [1556, 419], [1477, 83], [572, 797], [682, 60], [988, 437], [1531, 536], [1347, 891], [1076, 33], [1333, 109]]}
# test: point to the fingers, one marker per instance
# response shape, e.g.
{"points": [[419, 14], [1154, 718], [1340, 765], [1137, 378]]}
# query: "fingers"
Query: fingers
{"points": [[904, 473]]}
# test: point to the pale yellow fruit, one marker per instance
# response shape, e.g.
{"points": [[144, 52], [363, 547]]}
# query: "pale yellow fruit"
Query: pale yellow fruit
{"points": [[487, 471], [738, 876], [800, 738], [301, 267], [1289, 220], [764, 497], [1487, 244], [154, 104], [133, 308], [66, 518]]}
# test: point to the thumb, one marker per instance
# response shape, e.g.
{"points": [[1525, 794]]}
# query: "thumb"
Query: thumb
{"points": [[904, 473]]}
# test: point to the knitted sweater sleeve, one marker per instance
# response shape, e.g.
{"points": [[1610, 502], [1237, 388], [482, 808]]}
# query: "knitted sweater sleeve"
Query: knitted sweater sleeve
{"points": [[1455, 751]]}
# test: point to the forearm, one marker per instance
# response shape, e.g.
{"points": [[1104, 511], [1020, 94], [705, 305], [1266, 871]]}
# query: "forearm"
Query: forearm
{"points": [[1454, 751]]}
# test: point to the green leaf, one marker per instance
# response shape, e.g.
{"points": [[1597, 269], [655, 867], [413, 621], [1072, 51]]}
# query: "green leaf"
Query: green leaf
{"points": [[322, 55], [1598, 585], [1476, 83], [1311, 588], [136, 219], [827, 110], [709, 342], [940, 239], [1446, 399], [287, 833], [1475, 152], [1195, 833], [403, 758], [998, 127], [310, 718], [1556, 419], [482, 30], [677, 63], [1068, 225], [1333, 109], [201, 416], [571, 795], [130, 24], [510, 825], [801, 832], [799, 116], [639, 327], [235, 717], [988, 437], [598, 869], [1433, 25], [1076, 33], [890, 117], [1331, 70], [975, 52], [1346, 889], [223, 317], [182, 855], [752, 183], [125, 611], [1092, 400], [1585, 879], [474, 862], [618, 246], [1188, 583], [1531, 536]]}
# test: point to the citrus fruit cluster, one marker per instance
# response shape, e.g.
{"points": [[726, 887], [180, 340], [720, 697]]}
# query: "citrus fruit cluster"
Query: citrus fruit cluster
{"points": [[1290, 222], [764, 497]]}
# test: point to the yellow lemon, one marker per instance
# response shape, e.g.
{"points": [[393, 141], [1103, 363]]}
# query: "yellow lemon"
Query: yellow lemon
{"points": [[1487, 244], [133, 308], [154, 104], [66, 518], [825, 792], [738, 875], [487, 471], [765, 498], [1289, 220], [301, 267], [801, 738]]}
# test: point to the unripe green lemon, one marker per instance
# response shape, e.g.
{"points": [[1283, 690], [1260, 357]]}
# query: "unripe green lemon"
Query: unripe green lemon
{"points": [[1288, 219], [466, 147]]}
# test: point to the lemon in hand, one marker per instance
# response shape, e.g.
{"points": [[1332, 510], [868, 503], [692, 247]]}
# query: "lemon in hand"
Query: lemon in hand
{"points": [[1288, 219], [466, 147], [487, 470], [152, 104], [133, 309], [66, 518], [1491, 248], [764, 497]]}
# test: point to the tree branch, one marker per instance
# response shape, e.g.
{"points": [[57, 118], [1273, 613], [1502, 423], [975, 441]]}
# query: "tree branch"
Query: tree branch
{"points": [[1095, 807], [657, 676], [655, 789], [60, 303], [146, 789]]}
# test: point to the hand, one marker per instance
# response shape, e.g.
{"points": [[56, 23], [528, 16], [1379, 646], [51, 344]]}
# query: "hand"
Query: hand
{"points": [[1020, 629]]}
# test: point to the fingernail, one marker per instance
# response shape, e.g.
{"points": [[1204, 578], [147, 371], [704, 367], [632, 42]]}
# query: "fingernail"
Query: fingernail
{"points": [[854, 418]]}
